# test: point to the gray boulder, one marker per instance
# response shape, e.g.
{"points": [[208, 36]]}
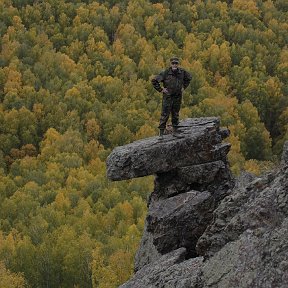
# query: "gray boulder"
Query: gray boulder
{"points": [[245, 208], [214, 177], [255, 259], [173, 223], [169, 271], [245, 244], [248, 236]]}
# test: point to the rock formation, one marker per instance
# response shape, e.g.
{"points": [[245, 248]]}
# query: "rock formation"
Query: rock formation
{"points": [[200, 143], [201, 229]]}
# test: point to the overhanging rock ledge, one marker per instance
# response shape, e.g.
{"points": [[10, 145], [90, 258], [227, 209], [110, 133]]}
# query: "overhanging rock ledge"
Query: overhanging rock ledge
{"points": [[192, 176], [202, 230], [200, 143]]}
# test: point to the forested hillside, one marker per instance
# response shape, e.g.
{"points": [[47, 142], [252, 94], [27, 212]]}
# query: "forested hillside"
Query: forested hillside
{"points": [[75, 83]]}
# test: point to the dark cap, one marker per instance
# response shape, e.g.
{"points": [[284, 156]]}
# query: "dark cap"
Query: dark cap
{"points": [[174, 59]]}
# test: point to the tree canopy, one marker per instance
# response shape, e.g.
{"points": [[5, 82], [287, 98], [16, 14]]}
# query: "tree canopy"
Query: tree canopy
{"points": [[75, 83]]}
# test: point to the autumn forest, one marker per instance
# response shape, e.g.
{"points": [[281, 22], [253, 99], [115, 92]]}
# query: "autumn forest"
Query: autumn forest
{"points": [[75, 82]]}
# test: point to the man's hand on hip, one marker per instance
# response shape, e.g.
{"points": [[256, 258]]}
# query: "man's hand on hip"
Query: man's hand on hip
{"points": [[165, 90]]}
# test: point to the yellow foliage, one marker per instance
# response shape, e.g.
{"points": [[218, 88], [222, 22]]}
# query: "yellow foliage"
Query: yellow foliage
{"points": [[17, 23], [73, 93], [102, 275], [8, 244], [221, 106], [120, 135], [249, 6], [75, 83], [92, 149], [258, 167], [252, 166], [222, 83], [145, 131], [9, 279], [38, 110], [54, 173], [93, 129], [151, 28], [96, 167], [120, 263], [118, 48], [14, 80], [61, 202], [51, 136], [192, 47], [9, 46], [79, 177], [235, 157]]}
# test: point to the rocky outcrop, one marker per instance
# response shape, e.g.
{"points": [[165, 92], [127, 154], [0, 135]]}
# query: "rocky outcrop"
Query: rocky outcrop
{"points": [[203, 231], [179, 221], [248, 235], [191, 177], [245, 244], [200, 142], [169, 271]]}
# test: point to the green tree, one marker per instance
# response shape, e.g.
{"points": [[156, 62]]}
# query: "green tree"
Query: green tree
{"points": [[120, 135], [9, 279]]}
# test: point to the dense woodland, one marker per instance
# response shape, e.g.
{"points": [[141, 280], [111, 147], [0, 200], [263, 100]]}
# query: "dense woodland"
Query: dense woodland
{"points": [[75, 83]]}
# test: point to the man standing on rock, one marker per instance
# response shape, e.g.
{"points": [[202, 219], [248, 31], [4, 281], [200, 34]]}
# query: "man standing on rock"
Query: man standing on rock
{"points": [[175, 80]]}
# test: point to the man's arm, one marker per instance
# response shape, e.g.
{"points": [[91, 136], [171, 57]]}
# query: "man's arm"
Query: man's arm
{"points": [[156, 81], [187, 79]]}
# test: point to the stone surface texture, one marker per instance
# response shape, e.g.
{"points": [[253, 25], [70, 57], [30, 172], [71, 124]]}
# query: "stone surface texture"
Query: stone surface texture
{"points": [[284, 158], [203, 229], [200, 142], [169, 271]]}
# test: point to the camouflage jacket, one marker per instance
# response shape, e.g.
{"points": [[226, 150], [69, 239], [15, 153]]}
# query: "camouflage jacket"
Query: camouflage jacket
{"points": [[173, 81]]}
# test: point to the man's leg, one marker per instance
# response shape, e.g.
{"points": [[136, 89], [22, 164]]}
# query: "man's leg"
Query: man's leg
{"points": [[175, 110], [166, 110]]}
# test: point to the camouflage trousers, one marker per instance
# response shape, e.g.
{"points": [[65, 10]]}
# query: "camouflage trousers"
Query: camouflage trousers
{"points": [[170, 105]]}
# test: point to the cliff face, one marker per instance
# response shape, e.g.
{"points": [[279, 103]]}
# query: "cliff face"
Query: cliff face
{"points": [[201, 229]]}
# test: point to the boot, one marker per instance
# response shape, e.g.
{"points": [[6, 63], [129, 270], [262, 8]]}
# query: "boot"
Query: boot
{"points": [[161, 133], [176, 132]]}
